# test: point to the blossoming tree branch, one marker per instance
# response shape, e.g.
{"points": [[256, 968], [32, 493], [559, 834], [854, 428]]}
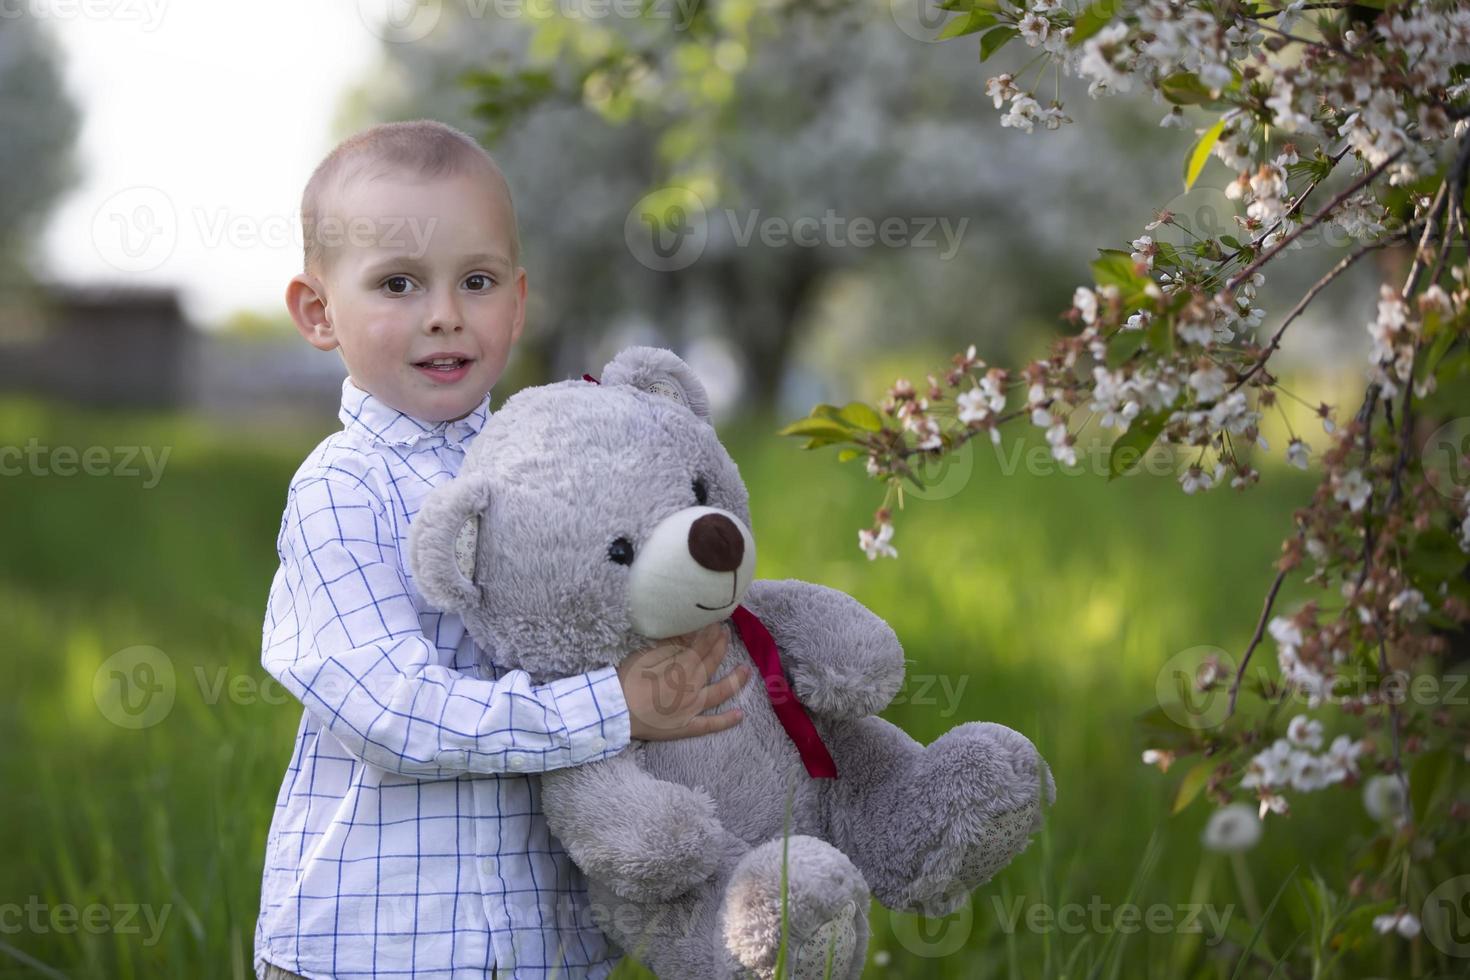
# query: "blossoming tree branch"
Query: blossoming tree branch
{"points": [[1170, 349]]}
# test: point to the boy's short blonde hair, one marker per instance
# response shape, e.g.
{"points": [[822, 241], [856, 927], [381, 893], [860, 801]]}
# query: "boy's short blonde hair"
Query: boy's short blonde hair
{"points": [[423, 147]]}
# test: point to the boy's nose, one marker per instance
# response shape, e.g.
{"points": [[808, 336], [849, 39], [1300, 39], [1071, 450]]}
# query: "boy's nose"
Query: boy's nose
{"points": [[444, 317]]}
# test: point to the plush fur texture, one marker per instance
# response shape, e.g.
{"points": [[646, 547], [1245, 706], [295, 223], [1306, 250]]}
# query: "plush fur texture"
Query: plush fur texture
{"points": [[682, 841]]}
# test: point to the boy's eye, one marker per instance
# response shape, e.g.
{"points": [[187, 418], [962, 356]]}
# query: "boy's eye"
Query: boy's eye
{"points": [[478, 282], [398, 285], [701, 491]]}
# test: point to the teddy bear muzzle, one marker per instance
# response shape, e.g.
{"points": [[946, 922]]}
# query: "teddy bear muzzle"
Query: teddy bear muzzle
{"points": [[692, 570]]}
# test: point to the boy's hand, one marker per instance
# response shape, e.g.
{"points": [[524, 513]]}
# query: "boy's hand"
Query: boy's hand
{"points": [[667, 686]]}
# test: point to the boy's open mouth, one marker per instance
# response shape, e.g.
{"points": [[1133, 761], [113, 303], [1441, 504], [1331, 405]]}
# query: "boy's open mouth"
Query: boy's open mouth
{"points": [[446, 367]]}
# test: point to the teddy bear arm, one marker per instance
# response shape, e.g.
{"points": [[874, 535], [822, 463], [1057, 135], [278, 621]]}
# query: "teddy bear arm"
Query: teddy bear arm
{"points": [[842, 659], [647, 839]]}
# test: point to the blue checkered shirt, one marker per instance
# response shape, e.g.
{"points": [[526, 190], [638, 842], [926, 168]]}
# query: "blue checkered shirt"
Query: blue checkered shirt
{"points": [[408, 838]]}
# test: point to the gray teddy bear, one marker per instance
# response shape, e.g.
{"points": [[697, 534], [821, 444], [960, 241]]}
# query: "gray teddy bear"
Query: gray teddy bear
{"points": [[592, 518]]}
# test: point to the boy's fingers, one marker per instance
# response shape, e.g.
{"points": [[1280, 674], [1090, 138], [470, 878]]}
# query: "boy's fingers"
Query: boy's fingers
{"points": [[705, 724], [719, 645], [727, 687]]}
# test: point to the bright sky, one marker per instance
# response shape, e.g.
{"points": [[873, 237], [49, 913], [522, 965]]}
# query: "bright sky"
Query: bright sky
{"points": [[201, 122]]}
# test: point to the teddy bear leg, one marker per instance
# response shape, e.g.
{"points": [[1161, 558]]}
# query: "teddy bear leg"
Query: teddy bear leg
{"points": [[927, 825], [826, 912], [729, 928]]}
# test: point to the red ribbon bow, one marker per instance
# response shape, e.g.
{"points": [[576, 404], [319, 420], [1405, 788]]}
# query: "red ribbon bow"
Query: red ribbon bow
{"points": [[789, 712]]}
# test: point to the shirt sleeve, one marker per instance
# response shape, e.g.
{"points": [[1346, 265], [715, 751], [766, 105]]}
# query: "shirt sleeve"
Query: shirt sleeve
{"points": [[343, 635]]}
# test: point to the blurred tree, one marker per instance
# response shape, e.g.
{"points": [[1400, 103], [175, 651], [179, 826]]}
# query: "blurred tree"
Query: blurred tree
{"points": [[39, 122], [753, 122]]}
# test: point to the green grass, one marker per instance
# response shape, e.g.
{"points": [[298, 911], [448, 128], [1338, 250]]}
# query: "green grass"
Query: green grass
{"points": [[1046, 603]]}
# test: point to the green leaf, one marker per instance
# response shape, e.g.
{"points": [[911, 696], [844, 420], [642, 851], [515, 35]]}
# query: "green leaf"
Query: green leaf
{"points": [[975, 20], [1115, 267], [1131, 446], [862, 415], [991, 41], [1428, 777], [848, 454], [1443, 340], [1192, 784], [1090, 21], [1185, 88], [818, 428], [1123, 345], [1200, 155]]}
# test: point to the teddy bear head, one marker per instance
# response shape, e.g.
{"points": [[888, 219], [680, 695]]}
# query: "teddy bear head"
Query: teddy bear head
{"points": [[588, 520]]}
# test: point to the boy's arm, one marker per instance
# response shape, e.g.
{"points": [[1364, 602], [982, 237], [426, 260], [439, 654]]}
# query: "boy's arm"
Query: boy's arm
{"points": [[345, 638]]}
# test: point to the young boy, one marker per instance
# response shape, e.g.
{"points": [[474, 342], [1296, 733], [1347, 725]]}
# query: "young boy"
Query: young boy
{"points": [[408, 838]]}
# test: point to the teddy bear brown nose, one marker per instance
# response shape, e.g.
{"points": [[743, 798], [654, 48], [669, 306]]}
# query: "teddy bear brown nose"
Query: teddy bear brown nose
{"points": [[715, 543]]}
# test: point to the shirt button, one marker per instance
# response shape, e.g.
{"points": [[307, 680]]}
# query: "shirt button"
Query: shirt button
{"points": [[516, 761], [489, 867], [597, 744]]}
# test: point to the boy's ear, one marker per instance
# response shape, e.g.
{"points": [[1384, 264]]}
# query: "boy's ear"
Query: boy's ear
{"points": [[444, 543], [520, 320], [661, 372], [306, 301]]}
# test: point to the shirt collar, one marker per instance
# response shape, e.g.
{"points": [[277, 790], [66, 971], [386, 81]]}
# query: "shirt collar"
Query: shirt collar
{"points": [[383, 424]]}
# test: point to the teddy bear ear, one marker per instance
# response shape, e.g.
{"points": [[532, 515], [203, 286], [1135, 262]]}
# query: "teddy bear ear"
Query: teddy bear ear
{"points": [[661, 372], [444, 543]]}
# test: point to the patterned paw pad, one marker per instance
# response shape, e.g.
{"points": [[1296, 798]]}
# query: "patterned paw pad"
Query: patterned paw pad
{"points": [[837, 934], [999, 842]]}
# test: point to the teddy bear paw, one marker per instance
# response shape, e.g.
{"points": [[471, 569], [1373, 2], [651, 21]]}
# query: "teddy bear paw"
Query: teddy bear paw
{"points": [[836, 938], [994, 845]]}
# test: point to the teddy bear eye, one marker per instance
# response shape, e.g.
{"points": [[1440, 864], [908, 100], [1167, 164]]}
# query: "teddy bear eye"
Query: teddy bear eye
{"points": [[701, 491], [621, 551]]}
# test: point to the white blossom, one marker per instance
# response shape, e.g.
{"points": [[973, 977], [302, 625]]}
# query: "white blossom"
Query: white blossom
{"points": [[1208, 382], [1409, 604], [1353, 490], [874, 545], [1403, 922], [1305, 732]]}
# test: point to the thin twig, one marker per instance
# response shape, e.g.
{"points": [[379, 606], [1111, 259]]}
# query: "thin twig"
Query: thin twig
{"points": [[1351, 189], [1255, 638], [1311, 294]]}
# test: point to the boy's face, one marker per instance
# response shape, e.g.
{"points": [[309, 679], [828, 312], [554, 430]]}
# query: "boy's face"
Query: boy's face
{"points": [[416, 270]]}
